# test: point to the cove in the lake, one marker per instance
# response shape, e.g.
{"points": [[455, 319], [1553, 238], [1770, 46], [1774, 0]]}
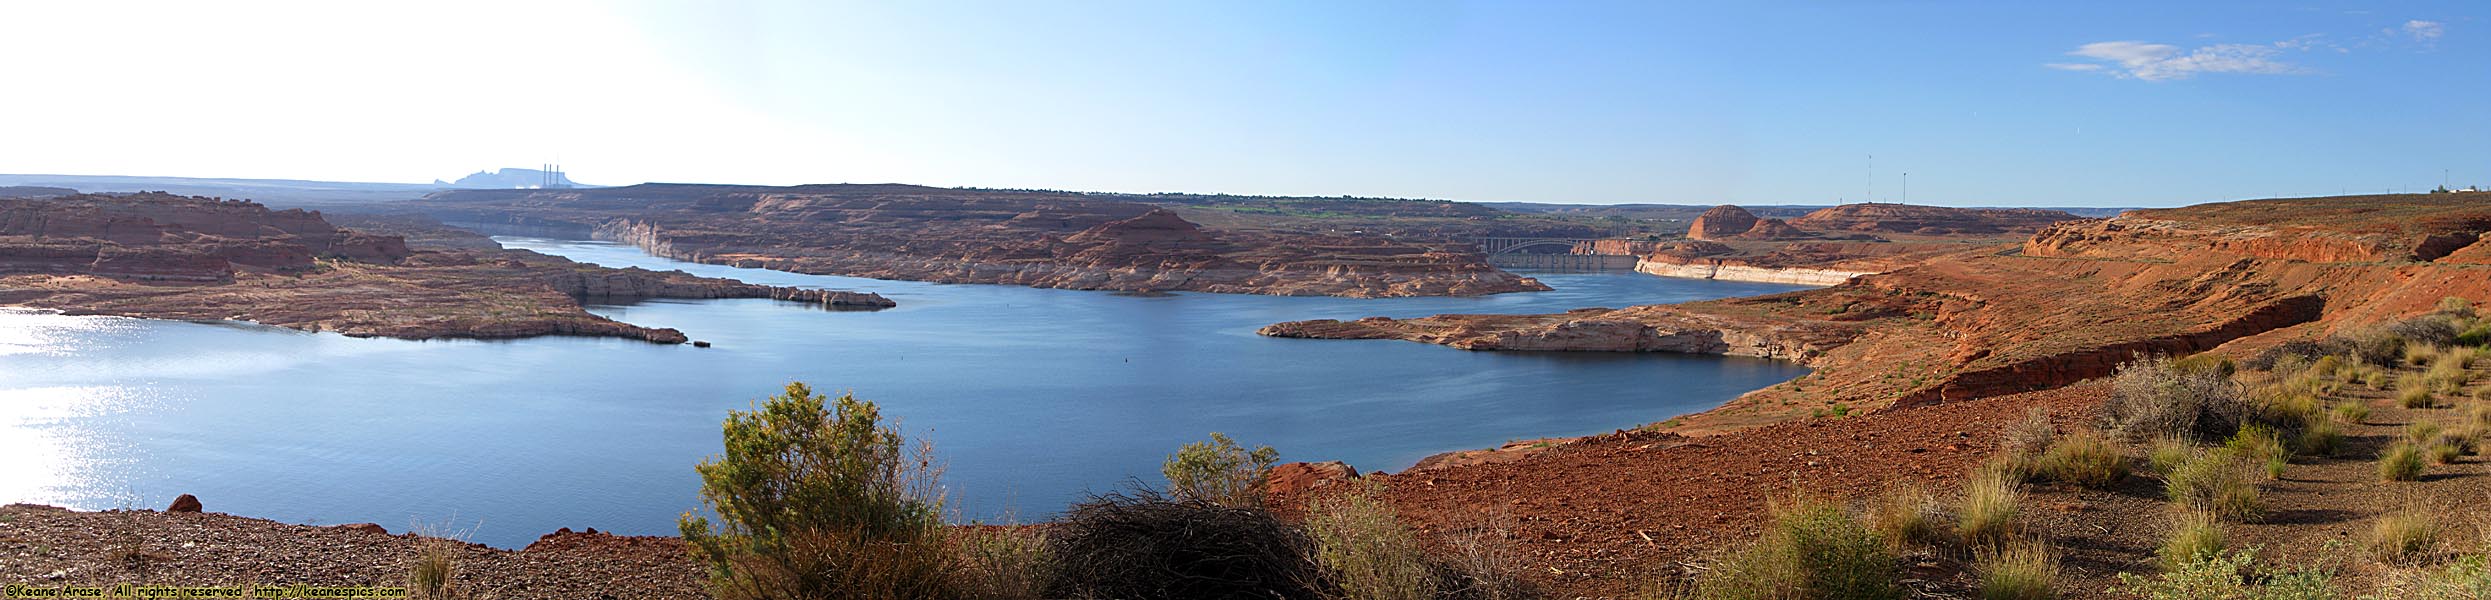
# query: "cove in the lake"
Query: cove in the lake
{"points": [[1031, 396]]}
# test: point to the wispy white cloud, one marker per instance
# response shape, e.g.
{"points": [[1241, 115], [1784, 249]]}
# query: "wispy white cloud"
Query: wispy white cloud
{"points": [[2420, 30], [2164, 62]]}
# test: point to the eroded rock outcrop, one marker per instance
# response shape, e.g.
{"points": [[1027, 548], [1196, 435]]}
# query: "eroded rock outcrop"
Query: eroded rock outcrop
{"points": [[1722, 222]]}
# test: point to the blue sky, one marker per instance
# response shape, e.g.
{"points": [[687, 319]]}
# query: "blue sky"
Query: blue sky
{"points": [[2101, 104]]}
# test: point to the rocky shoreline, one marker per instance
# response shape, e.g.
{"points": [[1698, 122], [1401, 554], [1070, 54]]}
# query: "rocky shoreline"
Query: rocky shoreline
{"points": [[202, 259], [1717, 270]]}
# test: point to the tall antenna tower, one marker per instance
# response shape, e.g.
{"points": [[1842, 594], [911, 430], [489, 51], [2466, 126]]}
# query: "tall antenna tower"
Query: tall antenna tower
{"points": [[1872, 179], [1907, 187]]}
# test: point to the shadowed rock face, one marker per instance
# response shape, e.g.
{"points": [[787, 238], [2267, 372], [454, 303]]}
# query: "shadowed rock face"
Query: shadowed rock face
{"points": [[1058, 240], [162, 256]]}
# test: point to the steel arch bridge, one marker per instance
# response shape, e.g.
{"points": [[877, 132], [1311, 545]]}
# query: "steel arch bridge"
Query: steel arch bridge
{"points": [[1514, 245]]}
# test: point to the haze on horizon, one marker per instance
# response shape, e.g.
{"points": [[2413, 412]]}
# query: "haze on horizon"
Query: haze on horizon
{"points": [[2091, 104]]}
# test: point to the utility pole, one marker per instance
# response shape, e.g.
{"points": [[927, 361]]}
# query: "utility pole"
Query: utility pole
{"points": [[1872, 178], [1907, 187]]}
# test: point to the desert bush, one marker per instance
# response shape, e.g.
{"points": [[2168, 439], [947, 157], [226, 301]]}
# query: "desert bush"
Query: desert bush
{"points": [[2431, 330], [2456, 306], [2292, 408], [2449, 375], [2460, 439], [2230, 576], [2421, 432], [2194, 536], [2220, 482], [820, 500], [2166, 453], [2287, 358], [1219, 471], [432, 575], [1811, 550], [2149, 397], [2206, 363], [2401, 461], [2466, 578], [2476, 336], [1480, 561], [1366, 550], [2031, 436], [1988, 510], [1005, 563], [1905, 515], [2319, 438], [2018, 570], [2413, 391], [2421, 354], [1144, 544], [2083, 458], [2351, 412], [2262, 447], [2442, 454], [2372, 377], [2373, 346], [2404, 536]]}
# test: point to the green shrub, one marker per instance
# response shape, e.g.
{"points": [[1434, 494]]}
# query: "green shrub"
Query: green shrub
{"points": [[2421, 432], [2167, 453], [2083, 458], [2206, 363], [1368, 552], [2404, 536], [2262, 447], [2150, 397], [1988, 510], [2421, 354], [2401, 461], [2232, 576], [2320, 438], [2413, 391], [1005, 563], [820, 501], [2449, 376], [1219, 471], [2430, 330], [2466, 578], [2221, 483], [1810, 550], [1906, 516], [2019, 570], [2476, 336], [2290, 407], [2194, 536], [2442, 454], [2456, 306], [2351, 412]]}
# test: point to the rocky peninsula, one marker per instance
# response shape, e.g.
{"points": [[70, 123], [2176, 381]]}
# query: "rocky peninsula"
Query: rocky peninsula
{"points": [[162, 256]]}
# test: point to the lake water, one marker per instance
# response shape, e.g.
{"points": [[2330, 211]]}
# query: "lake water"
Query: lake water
{"points": [[1031, 396]]}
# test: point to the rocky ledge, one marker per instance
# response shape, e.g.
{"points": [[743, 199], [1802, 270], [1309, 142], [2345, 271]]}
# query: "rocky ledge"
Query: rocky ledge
{"points": [[171, 257]]}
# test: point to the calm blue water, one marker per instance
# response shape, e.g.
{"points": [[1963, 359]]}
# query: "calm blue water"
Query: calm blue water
{"points": [[1031, 396]]}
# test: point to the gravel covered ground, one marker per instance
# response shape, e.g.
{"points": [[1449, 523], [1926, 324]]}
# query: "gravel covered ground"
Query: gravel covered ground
{"points": [[49, 547]]}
